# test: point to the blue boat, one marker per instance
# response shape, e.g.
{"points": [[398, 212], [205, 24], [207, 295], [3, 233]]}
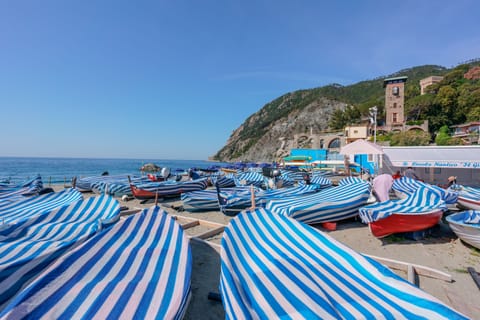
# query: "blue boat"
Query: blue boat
{"points": [[273, 267]]}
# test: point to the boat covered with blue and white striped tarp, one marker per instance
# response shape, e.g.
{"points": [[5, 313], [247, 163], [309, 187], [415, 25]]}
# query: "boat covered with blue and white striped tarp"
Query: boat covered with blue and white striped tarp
{"points": [[419, 211], [29, 246], [350, 180], [140, 268], [233, 203], [319, 180], [224, 181], [405, 186], [13, 192], [468, 197], [205, 200], [423, 200], [86, 184], [328, 205], [250, 178], [273, 267], [116, 189], [12, 212], [150, 190], [466, 225]]}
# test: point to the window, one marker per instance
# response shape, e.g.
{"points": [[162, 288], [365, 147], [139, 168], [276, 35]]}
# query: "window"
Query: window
{"points": [[394, 104], [394, 117], [395, 91]]}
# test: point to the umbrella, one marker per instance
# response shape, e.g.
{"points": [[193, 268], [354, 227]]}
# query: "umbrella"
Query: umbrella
{"points": [[150, 167]]}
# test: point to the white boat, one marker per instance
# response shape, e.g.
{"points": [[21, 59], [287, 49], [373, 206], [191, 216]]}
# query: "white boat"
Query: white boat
{"points": [[466, 225]]}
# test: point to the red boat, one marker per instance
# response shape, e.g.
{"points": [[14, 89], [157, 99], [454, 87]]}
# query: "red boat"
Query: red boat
{"points": [[166, 188], [405, 222]]}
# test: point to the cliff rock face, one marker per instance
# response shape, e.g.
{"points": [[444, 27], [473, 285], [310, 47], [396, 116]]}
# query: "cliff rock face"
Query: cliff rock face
{"points": [[262, 140]]}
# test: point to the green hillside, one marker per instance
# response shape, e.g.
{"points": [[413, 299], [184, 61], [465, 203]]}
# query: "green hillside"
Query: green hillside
{"points": [[454, 100]]}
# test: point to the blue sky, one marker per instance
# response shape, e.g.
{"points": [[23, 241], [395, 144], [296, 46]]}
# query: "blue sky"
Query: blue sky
{"points": [[173, 79]]}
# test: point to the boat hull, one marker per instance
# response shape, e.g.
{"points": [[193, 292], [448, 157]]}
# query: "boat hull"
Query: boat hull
{"points": [[467, 232], [469, 203], [397, 223]]}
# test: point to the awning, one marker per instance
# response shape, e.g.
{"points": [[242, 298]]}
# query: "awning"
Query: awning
{"points": [[465, 157]]}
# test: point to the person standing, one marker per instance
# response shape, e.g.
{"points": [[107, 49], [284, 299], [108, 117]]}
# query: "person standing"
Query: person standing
{"points": [[410, 173]]}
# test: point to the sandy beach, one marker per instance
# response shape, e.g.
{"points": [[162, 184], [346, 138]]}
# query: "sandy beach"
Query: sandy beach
{"points": [[440, 250]]}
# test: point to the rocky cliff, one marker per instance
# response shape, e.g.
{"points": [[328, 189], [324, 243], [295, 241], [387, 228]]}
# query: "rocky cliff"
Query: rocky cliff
{"points": [[262, 140]]}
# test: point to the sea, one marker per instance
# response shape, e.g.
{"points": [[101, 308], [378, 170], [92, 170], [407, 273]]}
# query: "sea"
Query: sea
{"points": [[62, 170]]}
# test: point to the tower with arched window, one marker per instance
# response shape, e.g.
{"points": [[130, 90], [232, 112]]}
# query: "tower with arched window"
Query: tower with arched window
{"points": [[394, 102]]}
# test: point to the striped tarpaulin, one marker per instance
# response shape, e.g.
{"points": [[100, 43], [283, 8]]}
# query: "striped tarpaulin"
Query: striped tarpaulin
{"points": [[273, 267], [349, 180], [225, 181], [138, 269], [116, 189], [406, 186], [468, 197], [320, 181], [328, 205], [250, 178], [12, 212], [19, 191], [29, 247], [173, 188], [423, 200], [208, 199], [85, 184], [466, 225], [235, 202]]}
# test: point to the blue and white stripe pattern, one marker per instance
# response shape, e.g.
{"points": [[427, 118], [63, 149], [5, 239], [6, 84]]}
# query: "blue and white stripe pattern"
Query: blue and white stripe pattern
{"points": [[138, 269], [235, 202], [406, 186], [320, 181], [86, 184], [469, 197], [204, 200], [423, 200], [225, 181], [350, 180], [19, 191], [250, 178], [112, 188], [173, 188], [28, 247], [273, 267], [466, 225], [296, 176], [328, 205], [12, 212]]}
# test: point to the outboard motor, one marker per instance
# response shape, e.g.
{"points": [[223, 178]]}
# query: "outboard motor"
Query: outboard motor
{"points": [[165, 173]]}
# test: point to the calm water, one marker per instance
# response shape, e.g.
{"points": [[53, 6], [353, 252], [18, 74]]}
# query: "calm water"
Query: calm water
{"points": [[57, 170]]}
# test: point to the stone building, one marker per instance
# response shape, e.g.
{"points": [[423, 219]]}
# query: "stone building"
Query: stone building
{"points": [[424, 83]]}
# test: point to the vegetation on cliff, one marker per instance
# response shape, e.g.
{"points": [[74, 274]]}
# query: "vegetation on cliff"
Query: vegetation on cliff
{"points": [[452, 101]]}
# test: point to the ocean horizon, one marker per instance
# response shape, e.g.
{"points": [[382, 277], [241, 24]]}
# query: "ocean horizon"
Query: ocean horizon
{"points": [[56, 170]]}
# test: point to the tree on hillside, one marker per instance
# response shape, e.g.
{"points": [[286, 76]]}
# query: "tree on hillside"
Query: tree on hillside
{"points": [[443, 136], [474, 114], [337, 121], [410, 138]]}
